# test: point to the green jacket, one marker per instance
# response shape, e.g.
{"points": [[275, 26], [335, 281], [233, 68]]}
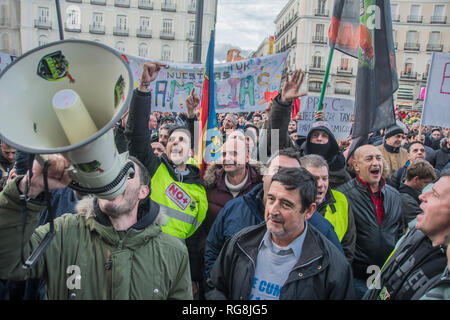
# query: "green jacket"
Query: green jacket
{"points": [[89, 259]]}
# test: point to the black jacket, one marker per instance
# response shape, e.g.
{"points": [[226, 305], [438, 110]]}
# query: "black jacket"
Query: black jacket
{"points": [[410, 203], [374, 243], [411, 271], [442, 158], [139, 145], [322, 272]]}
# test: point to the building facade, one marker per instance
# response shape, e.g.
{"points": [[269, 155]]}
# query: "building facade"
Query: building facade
{"points": [[157, 29], [10, 27], [420, 28]]}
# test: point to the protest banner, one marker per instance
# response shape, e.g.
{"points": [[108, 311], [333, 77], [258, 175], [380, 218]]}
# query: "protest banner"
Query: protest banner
{"points": [[436, 108], [240, 86], [338, 114]]}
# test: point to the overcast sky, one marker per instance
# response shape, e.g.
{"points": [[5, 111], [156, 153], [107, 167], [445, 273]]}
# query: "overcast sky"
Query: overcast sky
{"points": [[244, 24]]}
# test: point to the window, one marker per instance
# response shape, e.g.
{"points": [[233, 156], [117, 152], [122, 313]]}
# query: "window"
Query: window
{"points": [[120, 46], [344, 64], [3, 14], [97, 19], [4, 42], [165, 53], [315, 85], [319, 30], [167, 26], [42, 40], [43, 14], [73, 16], [321, 6], [412, 37], [342, 87], [409, 66], [143, 50], [438, 11], [144, 23], [317, 60], [191, 29], [435, 37], [121, 22], [414, 14], [394, 14]]}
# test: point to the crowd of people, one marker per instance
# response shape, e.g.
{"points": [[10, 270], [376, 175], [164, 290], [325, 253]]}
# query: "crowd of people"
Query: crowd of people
{"points": [[279, 216]]}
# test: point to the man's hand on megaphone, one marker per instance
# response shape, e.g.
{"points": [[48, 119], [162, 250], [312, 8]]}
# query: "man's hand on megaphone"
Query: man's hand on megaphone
{"points": [[149, 73], [57, 176]]}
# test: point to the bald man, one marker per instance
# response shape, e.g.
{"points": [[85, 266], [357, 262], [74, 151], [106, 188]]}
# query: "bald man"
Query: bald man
{"points": [[377, 209]]}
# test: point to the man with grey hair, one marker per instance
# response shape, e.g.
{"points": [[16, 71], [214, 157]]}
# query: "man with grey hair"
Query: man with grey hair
{"points": [[332, 204]]}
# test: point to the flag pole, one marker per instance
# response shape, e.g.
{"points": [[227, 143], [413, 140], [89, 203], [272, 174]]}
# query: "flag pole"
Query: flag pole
{"points": [[325, 79]]}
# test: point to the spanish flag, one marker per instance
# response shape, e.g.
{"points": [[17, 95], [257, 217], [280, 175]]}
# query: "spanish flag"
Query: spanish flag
{"points": [[210, 142]]}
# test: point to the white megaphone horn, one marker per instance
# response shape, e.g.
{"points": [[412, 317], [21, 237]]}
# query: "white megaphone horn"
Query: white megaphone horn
{"points": [[65, 97]]}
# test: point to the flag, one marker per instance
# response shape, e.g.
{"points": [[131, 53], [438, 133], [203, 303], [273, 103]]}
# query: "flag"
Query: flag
{"points": [[343, 34], [371, 41], [210, 141]]}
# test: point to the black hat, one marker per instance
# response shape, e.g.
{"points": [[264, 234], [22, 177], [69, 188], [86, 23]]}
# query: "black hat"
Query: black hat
{"points": [[392, 131]]}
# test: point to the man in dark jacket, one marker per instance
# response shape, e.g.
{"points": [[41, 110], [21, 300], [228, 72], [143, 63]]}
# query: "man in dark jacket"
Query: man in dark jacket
{"points": [[443, 155], [7, 158], [418, 260], [378, 213], [285, 257], [418, 175], [416, 150], [248, 210]]}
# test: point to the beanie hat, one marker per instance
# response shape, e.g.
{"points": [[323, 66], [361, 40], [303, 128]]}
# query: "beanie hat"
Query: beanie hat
{"points": [[392, 131]]}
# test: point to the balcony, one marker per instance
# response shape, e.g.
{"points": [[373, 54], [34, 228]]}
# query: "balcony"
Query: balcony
{"points": [[4, 22], [145, 4], [167, 35], [99, 2], [344, 72], [395, 18], [122, 3], [169, 6], [425, 76], [143, 33], [319, 39], [316, 68], [120, 31], [42, 24], [412, 46], [72, 28], [345, 91], [74, 1], [435, 47], [321, 12], [190, 36], [96, 29], [415, 19], [409, 75], [315, 86], [396, 44], [439, 19]]}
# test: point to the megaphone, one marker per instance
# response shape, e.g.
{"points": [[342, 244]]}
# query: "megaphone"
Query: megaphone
{"points": [[65, 97]]}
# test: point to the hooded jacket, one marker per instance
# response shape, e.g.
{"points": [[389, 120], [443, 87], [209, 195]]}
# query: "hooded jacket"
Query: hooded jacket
{"points": [[442, 157], [320, 273], [331, 153], [88, 259]]}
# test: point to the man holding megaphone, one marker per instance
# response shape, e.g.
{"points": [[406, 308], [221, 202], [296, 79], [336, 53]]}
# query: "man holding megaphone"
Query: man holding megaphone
{"points": [[112, 249]]}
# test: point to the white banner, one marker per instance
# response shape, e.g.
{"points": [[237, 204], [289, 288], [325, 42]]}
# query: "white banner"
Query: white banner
{"points": [[436, 108], [338, 114], [240, 86]]}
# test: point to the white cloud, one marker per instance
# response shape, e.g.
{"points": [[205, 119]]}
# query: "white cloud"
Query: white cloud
{"points": [[244, 24]]}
